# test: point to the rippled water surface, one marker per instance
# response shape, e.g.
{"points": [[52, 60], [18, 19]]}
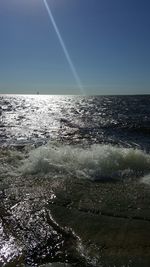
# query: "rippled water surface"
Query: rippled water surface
{"points": [[74, 181], [116, 119]]}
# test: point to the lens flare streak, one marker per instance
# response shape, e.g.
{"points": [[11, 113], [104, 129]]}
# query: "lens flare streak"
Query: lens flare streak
{"points": [[64, 48]]}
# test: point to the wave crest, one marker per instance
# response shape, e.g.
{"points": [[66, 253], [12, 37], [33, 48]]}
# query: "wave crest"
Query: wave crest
{"points": [[95, 163]]}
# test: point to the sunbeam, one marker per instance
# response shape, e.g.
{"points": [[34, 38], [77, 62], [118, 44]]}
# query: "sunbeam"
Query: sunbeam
{"points": [[64, 48]]}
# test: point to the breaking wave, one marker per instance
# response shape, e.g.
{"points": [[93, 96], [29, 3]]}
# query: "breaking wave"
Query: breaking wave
{"points": [[95, 163]]}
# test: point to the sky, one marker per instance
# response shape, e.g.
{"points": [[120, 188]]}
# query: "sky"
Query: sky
{"points": [[108, 42]]}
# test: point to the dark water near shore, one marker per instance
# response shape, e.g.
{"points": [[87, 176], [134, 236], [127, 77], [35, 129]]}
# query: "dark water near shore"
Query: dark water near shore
{"points": [[54, 152]]}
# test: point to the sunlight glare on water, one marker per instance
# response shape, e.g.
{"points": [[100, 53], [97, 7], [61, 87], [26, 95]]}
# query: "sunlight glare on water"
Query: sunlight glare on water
{"points": [[79, 156]]}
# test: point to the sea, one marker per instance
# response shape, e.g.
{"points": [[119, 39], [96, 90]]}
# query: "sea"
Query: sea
{"points": [[52, 148]]}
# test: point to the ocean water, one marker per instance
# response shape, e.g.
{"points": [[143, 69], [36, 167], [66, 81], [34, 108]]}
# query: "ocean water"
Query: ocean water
{"points": [[50, 142], [88, 137], [116, 120]]}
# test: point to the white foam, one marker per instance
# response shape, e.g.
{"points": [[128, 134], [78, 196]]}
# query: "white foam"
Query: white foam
{"points": [[146, 179], [96, 162]]}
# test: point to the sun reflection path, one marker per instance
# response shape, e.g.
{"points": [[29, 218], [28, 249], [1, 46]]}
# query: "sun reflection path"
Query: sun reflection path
{"points": [[64, 48]]}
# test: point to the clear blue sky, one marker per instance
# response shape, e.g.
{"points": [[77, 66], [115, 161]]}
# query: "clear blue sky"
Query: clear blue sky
{"points": [[108, 42]]}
